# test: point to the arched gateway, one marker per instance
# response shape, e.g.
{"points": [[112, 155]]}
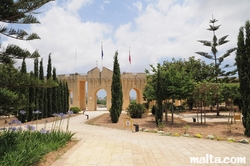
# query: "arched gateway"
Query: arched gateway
{"points": [[95, 80]]}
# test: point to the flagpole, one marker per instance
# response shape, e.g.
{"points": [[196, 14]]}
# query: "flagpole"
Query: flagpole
{"points": [[102, 54], [75, 60], [129, 60]]}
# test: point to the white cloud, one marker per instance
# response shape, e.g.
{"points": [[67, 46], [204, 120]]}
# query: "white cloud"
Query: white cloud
{"points": [[138, 5], [75, 5]]}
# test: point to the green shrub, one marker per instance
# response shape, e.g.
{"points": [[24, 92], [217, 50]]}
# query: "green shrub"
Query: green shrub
{"points": [[146, 105], [136, 110], [75, 110], [153, 110], [27, 147]]}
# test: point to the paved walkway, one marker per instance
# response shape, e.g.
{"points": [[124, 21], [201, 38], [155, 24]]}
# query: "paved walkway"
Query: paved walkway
{"points": [[102, 146]]}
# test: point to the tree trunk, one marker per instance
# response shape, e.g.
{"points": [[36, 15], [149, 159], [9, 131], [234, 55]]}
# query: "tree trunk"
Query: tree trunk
{"points": [[172, 111]]}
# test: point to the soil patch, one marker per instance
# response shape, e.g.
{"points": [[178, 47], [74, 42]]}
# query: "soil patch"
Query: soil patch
{"points": [[220, 130]]}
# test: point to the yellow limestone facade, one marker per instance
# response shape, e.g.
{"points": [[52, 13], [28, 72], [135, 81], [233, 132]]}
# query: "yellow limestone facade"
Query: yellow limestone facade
{"points": [[84, 87]]}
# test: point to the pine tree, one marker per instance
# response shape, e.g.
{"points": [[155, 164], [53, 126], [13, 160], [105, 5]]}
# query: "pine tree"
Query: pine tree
{"points": [[116, 92], [18, 12], [242, 61], [49, 89], [225, 76], [218, 72]]}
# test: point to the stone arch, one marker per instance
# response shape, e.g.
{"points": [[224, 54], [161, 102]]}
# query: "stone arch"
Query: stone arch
{"points": [[126, 97], [96, 105], [139, 96]]}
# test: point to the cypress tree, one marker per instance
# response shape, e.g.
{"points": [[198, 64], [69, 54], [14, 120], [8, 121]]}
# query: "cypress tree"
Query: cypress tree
{"points": [[24, 92], [64, 97], [55, 102], [60, 97], [31, 100], [67, 96], [242, 62], [41, 94], [36, 76], [116, 92], [49, 90]]}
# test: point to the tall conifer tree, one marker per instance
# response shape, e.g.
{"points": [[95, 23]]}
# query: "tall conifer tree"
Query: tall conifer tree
{"points": [[32, 99], [24, 92], [49, 90], [219, 72], [55, 89], [42, 99], [67, 96], [60, 96], [36, 77], [242, 61], [116, 92]]}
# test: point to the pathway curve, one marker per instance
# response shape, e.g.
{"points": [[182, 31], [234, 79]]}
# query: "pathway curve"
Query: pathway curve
{"points": [[102, 146]]}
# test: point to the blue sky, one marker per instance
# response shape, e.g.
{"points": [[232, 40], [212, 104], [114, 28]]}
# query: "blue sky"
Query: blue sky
{"points": [[154, 30]]}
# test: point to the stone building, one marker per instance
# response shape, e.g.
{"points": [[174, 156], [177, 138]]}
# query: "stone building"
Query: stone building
{"points": [[84, 87]]}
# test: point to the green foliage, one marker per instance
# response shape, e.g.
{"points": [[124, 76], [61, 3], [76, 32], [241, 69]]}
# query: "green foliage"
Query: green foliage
{"points": [[136, 110], [207, 92], [24, 85], [169, 81], [153, 110], [116, 92], [66, 96], [75, 110], [26, 148], [219, 72], [7, 97], [41, 91], [55, 93], [242, 61], [20, 12], [101, 101], [191, 69], [159, 92], [49, 89]]}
